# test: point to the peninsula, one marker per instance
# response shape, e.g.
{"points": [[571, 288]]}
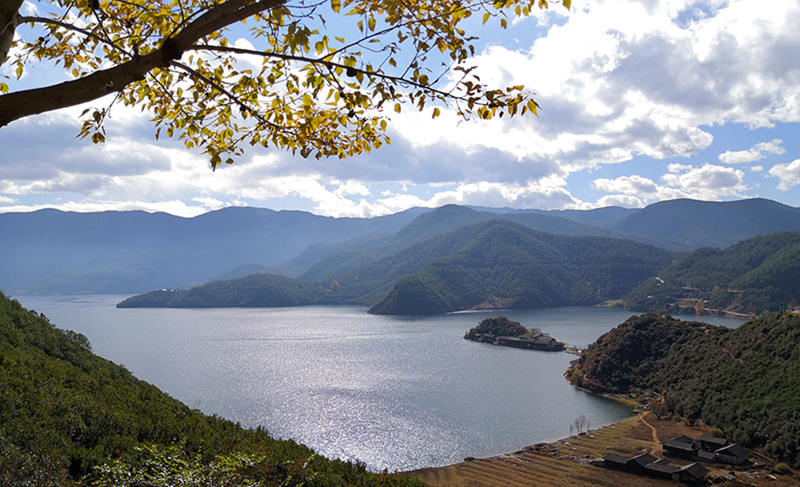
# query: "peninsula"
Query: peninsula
{"points": [[502, 331]]}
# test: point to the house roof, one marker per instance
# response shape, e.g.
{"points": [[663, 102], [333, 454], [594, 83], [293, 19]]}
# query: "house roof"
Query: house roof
{"points": [[678, 444], [713, 440], [611, 457], [661, 466], [706, 456], [735, 450], [695, 470], [643, 459]]}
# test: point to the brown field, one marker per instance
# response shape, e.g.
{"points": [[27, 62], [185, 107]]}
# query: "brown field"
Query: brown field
{"points": [[566, 462]]}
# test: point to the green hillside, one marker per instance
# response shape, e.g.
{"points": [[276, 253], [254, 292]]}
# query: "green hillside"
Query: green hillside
{"points": [[65, 411], [505, 265], [497, 263], [745, 381], [256, 290], [756, 275]]}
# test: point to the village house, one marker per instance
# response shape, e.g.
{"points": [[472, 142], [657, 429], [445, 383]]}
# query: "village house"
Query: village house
{"points": [[615, 462], [707, 449], [650, 466], [638, 463], [732, 454], [661, 469], [682, 447], [692, 474], [712, 443]]}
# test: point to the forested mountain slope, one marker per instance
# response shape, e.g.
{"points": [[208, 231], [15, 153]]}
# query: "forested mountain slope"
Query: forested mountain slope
{"points": [[755, 275], [695, 224], [435, 223], [64, 411], [533, 269], [745, 381], [506, 265]]}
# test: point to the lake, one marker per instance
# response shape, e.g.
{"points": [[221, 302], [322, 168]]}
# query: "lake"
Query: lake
{"points": [[395, 393]]}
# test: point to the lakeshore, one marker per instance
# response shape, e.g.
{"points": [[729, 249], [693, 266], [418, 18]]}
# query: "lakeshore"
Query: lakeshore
{"points": [[567, 462]]}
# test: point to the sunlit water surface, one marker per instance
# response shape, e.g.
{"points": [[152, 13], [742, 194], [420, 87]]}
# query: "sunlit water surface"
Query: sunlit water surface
{"points": [[396, 393]]}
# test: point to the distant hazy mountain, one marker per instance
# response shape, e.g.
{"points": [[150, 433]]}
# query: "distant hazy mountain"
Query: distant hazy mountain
{"points": [[52, 251], [681, 225], [758, 274], [694, 224], [505, 265]]}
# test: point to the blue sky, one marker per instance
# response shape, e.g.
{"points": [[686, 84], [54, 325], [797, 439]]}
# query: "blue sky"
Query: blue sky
{"points": [[642, 101]]}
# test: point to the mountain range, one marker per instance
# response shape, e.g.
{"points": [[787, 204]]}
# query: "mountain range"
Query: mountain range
{"points": [[491, 264], [50, 251]]}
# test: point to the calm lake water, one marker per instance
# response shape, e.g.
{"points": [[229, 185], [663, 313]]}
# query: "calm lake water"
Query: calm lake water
{"points": [[396, 393]]}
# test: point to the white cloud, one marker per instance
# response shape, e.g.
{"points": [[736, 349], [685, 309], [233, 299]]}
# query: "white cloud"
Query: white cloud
{"points": [[629, 185], [617, 80], [789, 174], [755, 153], [708, 182], [625, 201], [624, 78]]}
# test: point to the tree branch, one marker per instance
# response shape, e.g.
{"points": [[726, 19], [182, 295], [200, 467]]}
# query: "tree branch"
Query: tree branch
{"points": [[14, 106], [331, 64]]}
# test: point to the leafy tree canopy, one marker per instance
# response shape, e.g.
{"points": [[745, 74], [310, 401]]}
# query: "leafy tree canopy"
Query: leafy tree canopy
{"points": [[302, 87]]}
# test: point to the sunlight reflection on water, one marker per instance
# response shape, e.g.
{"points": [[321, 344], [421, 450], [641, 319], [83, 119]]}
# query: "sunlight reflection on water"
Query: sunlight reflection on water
{"points": [[395, 393]]}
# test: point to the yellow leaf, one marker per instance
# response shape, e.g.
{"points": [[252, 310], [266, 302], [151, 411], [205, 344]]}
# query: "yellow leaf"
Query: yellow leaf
{"points": [[442, 44], [486, 17], [567, 4], [335, 5], [532, 106], [397, 107], [436, 112]]}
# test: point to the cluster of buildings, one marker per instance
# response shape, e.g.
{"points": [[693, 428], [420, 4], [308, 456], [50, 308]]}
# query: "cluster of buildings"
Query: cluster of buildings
{"points": [[540, 341], [706, 449]]}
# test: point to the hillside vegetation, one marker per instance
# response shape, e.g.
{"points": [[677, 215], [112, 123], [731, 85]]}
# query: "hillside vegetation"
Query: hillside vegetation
{"points": [[745, 381], [493, 264], [510, 266], [755, 275], [255, 290], [65, 411]]}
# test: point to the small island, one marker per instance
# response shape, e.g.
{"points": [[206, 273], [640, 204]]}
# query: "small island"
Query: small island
{"points": [[502, 331]]}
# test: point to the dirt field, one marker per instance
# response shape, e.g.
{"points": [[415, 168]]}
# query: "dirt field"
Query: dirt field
{"points": [[566, 462]]}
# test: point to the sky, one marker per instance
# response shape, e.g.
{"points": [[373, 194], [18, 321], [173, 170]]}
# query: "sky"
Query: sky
{"points": [[641, 101]]}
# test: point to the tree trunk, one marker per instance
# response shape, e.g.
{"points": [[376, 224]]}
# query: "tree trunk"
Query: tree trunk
{"points": [[9, 18]]}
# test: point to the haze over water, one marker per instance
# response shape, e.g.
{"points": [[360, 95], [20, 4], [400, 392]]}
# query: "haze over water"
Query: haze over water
{"points": [[396, 393]]}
